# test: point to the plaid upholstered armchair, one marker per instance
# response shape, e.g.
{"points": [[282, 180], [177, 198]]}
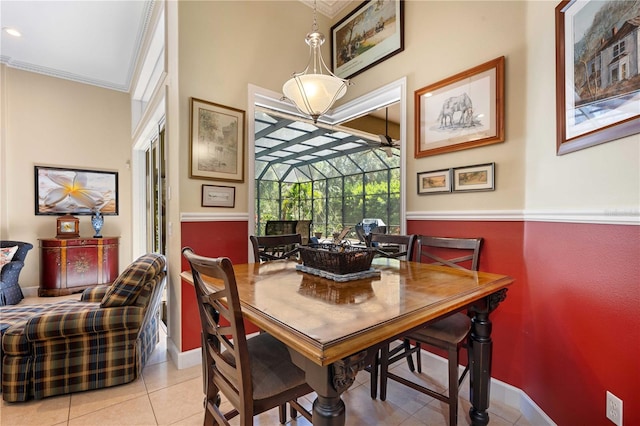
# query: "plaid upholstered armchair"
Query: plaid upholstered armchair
{"points": [[104, 339]]}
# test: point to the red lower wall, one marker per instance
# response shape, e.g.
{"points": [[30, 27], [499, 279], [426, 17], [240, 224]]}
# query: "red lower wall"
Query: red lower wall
{"points": [[569, 329], [211, 239], [584, 337]]}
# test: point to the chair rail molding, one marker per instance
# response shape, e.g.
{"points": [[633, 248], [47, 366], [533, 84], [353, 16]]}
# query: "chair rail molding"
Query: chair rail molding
{"points": [[213, 217], [607, 216]]}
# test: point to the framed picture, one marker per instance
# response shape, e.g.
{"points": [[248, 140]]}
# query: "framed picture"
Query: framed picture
{"points": [[217, 142], [218, 196], [60, 191], [462, 111], [597, 81], [434, 182], [474, 178], [373, 32]]}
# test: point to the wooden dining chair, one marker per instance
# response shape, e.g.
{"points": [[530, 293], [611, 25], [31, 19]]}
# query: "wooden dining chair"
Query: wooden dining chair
{"points": [[254, 374], [275, 247], [392, 246], [449, 333]]}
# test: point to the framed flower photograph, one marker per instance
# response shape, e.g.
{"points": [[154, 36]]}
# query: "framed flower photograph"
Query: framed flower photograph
{"points": [[597, 75], [474, 178], [434, 182], [60, 191], [463, 111], [217, 142]]}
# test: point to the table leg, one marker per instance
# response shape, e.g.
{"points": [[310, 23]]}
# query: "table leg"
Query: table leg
{"points": [[329, 382], [480, 351]]}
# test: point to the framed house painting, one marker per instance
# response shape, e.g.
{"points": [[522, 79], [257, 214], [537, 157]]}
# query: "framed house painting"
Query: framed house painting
{"points": [[217, 142], [463, 111], [597, 72]]}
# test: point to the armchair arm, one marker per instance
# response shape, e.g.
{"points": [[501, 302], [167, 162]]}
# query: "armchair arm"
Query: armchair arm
{"points": [[10, 271], [83, 321], [94, 294]]}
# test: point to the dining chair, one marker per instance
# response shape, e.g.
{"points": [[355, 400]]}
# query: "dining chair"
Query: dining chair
{"points": [[392, 246], [254, 374], [449, 333], [275, 247]]}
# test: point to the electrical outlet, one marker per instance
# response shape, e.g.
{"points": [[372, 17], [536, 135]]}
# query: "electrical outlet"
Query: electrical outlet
{"points": [[614, 408]]}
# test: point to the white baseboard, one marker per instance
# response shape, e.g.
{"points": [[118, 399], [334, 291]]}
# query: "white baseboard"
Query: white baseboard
{"points": [[504, 394], [184, 359]]}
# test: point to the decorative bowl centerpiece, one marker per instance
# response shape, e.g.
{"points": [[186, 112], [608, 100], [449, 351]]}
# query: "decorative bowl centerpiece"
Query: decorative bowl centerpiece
{"points": [[337, 259]]}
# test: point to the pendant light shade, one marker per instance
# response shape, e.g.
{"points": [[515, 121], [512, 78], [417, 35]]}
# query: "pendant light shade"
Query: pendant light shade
{"points": [[314, 90]]}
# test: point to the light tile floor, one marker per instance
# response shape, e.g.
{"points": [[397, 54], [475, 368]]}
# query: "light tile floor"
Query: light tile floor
{"points": [[165, 395]]}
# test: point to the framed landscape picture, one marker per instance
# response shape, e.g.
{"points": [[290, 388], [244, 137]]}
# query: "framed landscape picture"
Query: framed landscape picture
{"points": [[463, 111], [217, 142], [597, 72], [370, 34], [474, 178], [434, 182]]}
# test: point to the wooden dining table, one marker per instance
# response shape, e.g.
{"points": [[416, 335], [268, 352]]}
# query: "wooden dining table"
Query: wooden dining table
{"points": [[333, 329]]}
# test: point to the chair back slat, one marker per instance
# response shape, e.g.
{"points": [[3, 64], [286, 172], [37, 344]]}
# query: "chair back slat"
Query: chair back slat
{"points": [[233, 374], [275, 247], [392, 246], [460, 253]]}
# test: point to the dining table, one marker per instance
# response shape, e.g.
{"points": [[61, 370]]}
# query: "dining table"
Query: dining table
{"points": [[333, 329]]}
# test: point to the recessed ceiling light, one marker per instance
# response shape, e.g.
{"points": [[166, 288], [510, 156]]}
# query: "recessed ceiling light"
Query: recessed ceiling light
{"points": [[12, 32]]}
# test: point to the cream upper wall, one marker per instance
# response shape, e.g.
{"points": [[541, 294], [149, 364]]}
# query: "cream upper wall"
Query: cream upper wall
{"points": [[55, 122], [604, 178], [214, 68], [443, 39], [224, 46]]}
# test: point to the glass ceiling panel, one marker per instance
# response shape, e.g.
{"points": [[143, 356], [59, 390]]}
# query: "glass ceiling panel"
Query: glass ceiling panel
{"points": [[298, 148], [308, 127], [286, 134], [348, 145], [260, 126], [327, 169], [281, 154], [319, 141], [267, 142], [263, 116], [269, 175]]}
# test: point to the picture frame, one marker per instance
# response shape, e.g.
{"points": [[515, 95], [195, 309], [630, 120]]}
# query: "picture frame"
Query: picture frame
{"points": [[75, 191], [597, 98], [434, 182], [480, 177], [218, 196], [217, 142], [460, 112], [373, 32]]}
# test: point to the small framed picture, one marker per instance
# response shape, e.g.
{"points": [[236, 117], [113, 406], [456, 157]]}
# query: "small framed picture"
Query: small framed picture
{"points": [[218, 196], [474, 178], [434, 182]]}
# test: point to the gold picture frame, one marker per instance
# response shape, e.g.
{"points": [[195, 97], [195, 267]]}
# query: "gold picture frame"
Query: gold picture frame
{"points": [[463, 111], [217, 142]]}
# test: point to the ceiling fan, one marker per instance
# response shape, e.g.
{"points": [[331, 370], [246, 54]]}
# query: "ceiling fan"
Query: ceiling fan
{"points": [[386, 141]]}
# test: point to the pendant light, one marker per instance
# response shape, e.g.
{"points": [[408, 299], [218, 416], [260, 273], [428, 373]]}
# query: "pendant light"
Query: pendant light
{"points": [[314, 90]]}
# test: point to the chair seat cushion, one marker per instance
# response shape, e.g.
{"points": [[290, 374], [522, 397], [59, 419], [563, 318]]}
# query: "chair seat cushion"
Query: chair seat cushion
{"points": [[272, 371], [452, 329]]}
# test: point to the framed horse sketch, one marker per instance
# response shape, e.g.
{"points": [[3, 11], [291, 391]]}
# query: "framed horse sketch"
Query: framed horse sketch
{"points": [[463, 111]]}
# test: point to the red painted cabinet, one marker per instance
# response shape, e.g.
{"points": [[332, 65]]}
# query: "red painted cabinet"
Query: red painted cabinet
{"points": [[70, 265]]}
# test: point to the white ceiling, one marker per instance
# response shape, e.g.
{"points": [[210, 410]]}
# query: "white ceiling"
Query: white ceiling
{"points": [[94, 42]]}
